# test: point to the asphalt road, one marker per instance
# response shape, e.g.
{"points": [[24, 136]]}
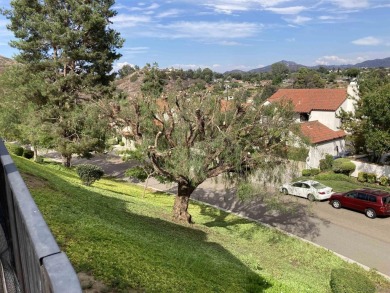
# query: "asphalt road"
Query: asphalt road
{"points": [[348, 233]]}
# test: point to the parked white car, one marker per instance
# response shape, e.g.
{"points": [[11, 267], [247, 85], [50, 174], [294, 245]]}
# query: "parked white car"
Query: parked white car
{"points": [[310, 189]]}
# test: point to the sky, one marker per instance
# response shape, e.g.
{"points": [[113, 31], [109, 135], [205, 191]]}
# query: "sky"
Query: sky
{"points": [[245, 34]]}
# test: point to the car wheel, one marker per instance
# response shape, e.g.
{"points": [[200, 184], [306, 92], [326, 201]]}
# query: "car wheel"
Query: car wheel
{"points": [[370, 213], [285, 191], [336, 204], [311, 197]]}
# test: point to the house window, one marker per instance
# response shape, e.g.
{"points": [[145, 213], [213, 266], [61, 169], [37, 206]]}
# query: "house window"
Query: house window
{"points": [[303, 117]]}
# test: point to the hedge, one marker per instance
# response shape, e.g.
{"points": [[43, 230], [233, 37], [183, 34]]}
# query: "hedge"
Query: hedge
{"points": [[89, 173], [344, 166]]}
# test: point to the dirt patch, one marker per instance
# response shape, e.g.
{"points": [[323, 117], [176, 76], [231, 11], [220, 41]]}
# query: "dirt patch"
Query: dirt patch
{"points": [[33, 181], [90, 285]]}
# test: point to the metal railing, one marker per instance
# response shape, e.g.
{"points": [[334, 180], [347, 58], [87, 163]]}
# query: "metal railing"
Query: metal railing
{"points": [[30, 259]]}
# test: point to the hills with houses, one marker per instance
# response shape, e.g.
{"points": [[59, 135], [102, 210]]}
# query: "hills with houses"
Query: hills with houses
{"points": [[292, 66]]}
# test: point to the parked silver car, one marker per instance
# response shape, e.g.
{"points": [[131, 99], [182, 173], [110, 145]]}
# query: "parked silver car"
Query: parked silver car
{"points": [[310, 189]]}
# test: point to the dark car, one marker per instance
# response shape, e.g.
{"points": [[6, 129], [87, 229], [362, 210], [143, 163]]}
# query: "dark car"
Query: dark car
{"points": [[372, 202]]}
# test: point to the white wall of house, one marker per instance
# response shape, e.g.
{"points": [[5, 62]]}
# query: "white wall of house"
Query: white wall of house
{"points": [[318, 151], [328, 118]]}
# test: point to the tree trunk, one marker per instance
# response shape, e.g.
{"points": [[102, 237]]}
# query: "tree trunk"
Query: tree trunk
{"points": [[182, 200], [66, 160]]}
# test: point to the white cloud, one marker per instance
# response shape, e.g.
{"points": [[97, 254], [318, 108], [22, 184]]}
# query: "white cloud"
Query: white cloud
{"points": [[298, 19], [287, 10], [367, 41], [331, 60], [351, 3], [169, 13], [210, 30], [123, 20], [136, 50]]}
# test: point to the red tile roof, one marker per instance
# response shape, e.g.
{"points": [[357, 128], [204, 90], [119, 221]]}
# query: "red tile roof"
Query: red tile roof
{"points": [[307, 100], [318, 132]]}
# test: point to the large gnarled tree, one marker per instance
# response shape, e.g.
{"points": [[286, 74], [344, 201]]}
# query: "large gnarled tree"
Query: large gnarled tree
{"points": [[188, 138], [71, 46]]}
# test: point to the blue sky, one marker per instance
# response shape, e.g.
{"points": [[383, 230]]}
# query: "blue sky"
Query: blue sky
{"points": [[246, 34]]}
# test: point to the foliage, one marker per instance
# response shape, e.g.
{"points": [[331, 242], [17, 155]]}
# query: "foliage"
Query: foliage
{"points": [[153, 82], [362, 177], [310, 172], [326, 163], [66, 52], [352, 72], [137, 172], [334, 176], [369, 127], [267, 92], [347, 281], [125, 70], [134, 77], [147, 248], [344, 166], [15, 149], [189, 137], [307, 78], [28, 154], [297, 153], [384, 180], [279, 71], [89, 173], [371, 177]]}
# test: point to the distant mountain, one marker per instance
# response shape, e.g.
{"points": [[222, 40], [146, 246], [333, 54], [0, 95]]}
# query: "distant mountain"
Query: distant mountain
{"points": [[374, 63], [292, 66], [295, 67]]}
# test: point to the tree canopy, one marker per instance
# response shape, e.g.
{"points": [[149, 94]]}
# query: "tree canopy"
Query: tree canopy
{"points": [[369, 125], [71, 47], [188, 138], [308, 78]]}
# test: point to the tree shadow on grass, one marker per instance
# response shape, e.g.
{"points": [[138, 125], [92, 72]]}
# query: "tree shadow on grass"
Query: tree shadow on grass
{"points": [[127, 250], [274, 210]]}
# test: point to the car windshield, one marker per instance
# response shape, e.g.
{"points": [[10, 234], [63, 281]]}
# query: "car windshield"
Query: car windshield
{"points": [[318, 185], [386, 200]]}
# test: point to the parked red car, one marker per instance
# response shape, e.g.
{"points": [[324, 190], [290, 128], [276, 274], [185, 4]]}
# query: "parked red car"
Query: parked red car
{"points": [[372, 202]]}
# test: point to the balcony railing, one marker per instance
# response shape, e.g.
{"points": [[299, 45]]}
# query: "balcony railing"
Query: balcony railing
{"points": [[30, 259]]}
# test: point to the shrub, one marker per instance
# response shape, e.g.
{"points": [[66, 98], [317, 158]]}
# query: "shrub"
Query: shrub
{"points": [[344, 166], [314, 171], [362, 177], [333, 176], [306, 172], [347, 281], [89, 173], [326, 163], [15, 149], [384, 181], [371, 178], [28, 154], [121, 143], [134, 77]]}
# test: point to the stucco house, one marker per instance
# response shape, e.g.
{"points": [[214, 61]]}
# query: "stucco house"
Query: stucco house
{"points": [[316, 111]]}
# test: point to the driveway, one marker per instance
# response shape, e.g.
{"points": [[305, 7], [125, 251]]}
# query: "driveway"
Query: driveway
{"points": [[345, 232]]}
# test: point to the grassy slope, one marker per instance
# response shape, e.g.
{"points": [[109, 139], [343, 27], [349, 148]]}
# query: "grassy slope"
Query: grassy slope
{"points": [[128, 241]]}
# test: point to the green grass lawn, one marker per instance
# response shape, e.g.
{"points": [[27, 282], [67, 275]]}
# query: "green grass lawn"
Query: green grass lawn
{"points": [[129, 241]]}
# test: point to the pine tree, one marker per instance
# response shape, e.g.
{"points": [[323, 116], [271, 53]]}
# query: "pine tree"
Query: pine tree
{"points": [[71, 46]]}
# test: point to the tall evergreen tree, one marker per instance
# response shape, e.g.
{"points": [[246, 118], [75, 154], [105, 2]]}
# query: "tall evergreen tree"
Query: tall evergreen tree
{"points": [[72, 47]]}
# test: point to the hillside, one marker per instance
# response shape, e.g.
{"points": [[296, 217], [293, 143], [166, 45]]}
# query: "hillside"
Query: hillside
{"points": [[130, 243], [376, 63], [5, 62]]}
